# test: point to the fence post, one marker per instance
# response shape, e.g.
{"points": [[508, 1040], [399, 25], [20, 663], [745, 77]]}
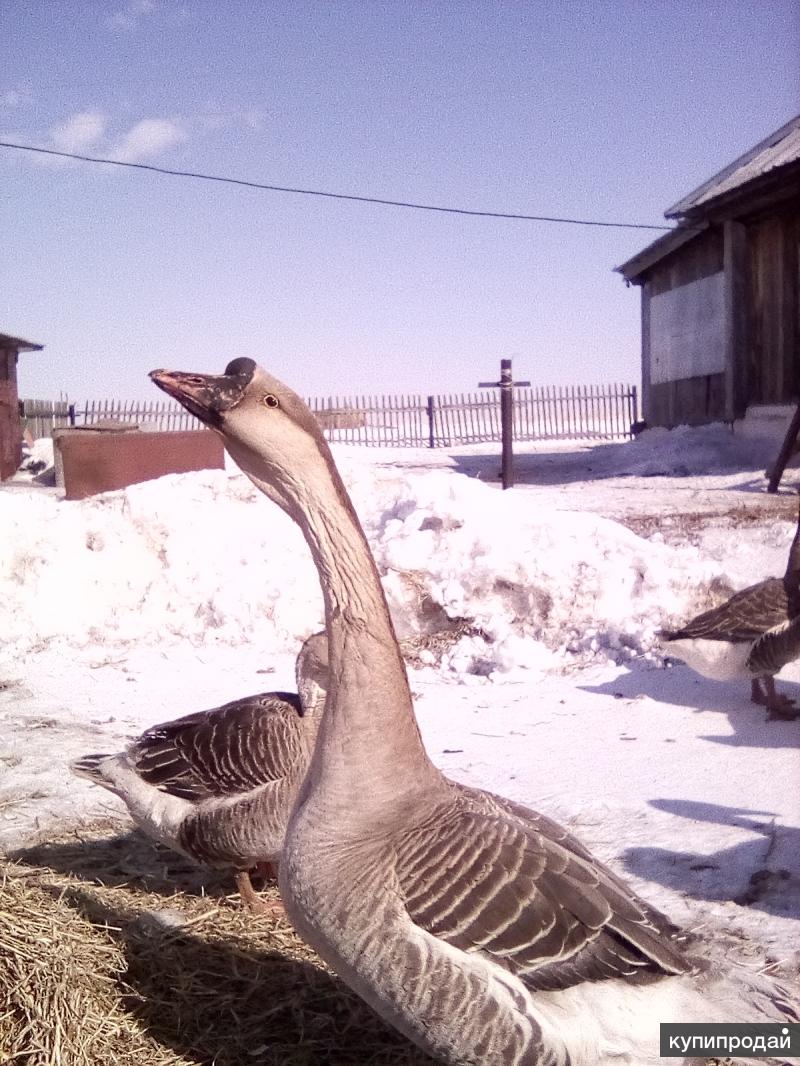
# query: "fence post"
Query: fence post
{"points": [[71, 413], [634, 410], [506, 386], [507, 423], [431, 424]]}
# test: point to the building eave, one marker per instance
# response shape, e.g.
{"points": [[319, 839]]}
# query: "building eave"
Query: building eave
{"points": [[17, 343], [638, 265]]}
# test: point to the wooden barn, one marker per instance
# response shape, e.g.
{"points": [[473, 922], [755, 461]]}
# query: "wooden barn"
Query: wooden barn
{"points": [[721, 292], [10, 425]]}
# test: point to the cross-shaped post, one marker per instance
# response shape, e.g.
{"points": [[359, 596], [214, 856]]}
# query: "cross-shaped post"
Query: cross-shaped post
{"points": [[506, 386]]}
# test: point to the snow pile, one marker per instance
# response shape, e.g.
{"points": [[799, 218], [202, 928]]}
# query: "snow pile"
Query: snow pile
{"points": [[37, 462], [689, 450], [529, 582], [204, 557], [177, 558]]}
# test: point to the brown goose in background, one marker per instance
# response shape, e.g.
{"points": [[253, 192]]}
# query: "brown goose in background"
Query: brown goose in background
{"points": [[751, 636], [219, 785], [482, 930]]}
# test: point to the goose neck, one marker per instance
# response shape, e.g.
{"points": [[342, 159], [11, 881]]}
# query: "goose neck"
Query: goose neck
{"points": [[369, 740]]}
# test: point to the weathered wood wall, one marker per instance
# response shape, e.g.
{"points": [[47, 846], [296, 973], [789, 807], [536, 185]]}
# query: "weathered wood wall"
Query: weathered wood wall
{"points": [[760, 328], [696, 398], [687, 330], [10, 428], [698, 259], [687, 401], [774, 308]]}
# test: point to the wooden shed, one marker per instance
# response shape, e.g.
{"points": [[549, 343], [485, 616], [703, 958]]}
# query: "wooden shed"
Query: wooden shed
{"points": [[10, 424], [721, 292]]}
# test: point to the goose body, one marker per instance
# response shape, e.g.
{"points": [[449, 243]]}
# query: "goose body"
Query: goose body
{"points": [[483, 931], [218, 785], [750, 636]]}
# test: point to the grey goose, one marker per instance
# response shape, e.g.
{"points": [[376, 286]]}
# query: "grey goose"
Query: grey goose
{"points": [[750, 636], [483, 931], [218, 785]]}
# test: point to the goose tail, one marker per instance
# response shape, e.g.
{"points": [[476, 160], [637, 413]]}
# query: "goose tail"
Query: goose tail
{"points": [[626, 1018], [753, 997], [744, 997]]}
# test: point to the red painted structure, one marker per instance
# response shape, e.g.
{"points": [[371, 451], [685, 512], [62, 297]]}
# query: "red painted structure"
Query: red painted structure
{"points": [[93, 461], [10, 423]]}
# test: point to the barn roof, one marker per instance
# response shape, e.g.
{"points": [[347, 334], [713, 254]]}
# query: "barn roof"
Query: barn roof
{"points": [[746, 175], [779, 149], [7, 341]]}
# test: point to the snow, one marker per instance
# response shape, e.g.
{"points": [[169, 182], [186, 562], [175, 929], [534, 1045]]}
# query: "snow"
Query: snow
{"points": [[529, 619]]}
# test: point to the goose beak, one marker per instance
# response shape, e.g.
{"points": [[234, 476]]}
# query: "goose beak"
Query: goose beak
{"points": [[206, 396]]}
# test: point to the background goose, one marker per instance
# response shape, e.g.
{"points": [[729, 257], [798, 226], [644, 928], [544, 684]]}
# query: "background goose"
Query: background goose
{"points": [[751, 636], [482, 930], [219, 785]]}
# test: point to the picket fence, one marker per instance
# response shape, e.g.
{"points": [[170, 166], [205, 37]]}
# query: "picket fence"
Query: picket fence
{"points": [[583, 412]]}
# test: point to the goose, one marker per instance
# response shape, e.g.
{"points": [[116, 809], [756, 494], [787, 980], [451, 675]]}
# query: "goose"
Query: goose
{"points": [[480, 929], [218, 785], [751, 636]]}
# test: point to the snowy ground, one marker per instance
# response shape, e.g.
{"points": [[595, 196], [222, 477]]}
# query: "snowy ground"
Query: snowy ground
{"points": [[530, 618]]}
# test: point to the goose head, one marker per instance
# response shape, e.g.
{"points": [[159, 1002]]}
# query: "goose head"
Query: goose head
{"points": [[311, 672], [267, 429]]}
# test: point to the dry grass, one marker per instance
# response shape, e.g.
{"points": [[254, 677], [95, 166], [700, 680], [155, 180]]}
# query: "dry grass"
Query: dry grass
{"points": [[689, 526], [116, 953], [110, 953]]}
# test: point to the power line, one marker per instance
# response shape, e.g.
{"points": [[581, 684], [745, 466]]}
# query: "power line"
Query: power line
{"points": [[329, 195]]}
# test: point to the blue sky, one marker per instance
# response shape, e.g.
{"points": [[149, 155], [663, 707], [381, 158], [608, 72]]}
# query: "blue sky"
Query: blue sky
{"points": [[599, 110]]}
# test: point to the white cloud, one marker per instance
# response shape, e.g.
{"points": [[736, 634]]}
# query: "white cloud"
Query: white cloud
{"points": [[80, 131], [129, 15], [148, 138], [87, 131], [14, 97]]}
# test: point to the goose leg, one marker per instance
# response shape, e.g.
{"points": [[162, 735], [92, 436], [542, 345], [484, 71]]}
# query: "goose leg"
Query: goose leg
{"points": [[778, 707], [756, 695], [267, 871], [251, 898]]}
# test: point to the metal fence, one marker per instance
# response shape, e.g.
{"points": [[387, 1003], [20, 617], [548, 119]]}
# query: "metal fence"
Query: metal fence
{"points": [[583, 412]]}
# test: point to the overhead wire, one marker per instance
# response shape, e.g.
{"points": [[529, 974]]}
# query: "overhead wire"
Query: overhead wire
{"points": [[264, 186]]}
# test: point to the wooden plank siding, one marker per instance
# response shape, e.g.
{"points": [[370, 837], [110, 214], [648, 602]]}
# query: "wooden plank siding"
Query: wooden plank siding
{"points": [[690, 400], [757, 256], [698, 259], [774, 308], [735, 325], [10, 430], [687, 401], [41, 417]]}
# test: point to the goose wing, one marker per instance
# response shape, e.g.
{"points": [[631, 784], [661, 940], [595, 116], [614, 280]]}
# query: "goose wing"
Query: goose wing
{"points": [[744, 617], [226, 751], [532, 900], [776, 648]]}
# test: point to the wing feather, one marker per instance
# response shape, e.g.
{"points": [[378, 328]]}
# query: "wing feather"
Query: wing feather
{"points": [[775, 649], [223, 752], [534, 901], [744, 617]]}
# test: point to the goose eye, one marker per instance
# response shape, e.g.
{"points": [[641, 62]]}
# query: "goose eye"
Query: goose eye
{"points": [[270, 400]]}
